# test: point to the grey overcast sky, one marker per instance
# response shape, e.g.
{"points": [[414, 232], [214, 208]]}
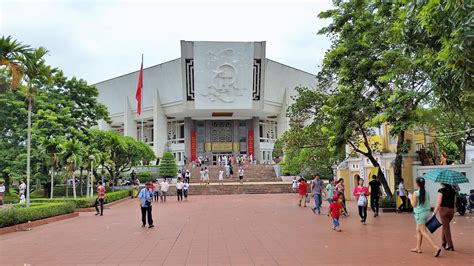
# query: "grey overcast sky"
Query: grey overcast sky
{"points": [[98, 40]]}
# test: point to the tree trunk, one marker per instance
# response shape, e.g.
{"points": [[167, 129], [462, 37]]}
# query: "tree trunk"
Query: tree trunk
{"points": [[28, 155], [7, 183], [397, 169], [87, 183], [67, 187], [380, 175], [80, 180], [52, 182], [73, 184]]}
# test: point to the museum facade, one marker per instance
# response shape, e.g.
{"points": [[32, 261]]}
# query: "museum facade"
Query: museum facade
{"points": [[218, 98]]}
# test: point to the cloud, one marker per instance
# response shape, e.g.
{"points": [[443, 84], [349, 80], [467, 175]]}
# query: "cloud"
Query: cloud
{"points": [[98, 40]]}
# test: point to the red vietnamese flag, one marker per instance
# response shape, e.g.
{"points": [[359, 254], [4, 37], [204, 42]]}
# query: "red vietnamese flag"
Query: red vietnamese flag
{"points": [[138, 94]]}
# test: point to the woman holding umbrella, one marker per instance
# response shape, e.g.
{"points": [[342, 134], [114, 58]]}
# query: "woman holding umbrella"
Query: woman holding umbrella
{"points": [[445, 208], [446, 199]]}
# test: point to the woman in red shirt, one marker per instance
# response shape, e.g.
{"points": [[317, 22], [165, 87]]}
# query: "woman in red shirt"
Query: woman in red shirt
{"points": [[302, 188], [361, 192]]}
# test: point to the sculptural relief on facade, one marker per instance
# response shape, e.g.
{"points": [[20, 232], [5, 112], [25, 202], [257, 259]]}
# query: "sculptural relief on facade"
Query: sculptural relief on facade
{"points": [[223, 75]]}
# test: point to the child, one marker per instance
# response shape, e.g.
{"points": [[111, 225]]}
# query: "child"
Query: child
{"points": [[221, 177], [335, 209], [294, 184], [302, 190], [185, 190]]}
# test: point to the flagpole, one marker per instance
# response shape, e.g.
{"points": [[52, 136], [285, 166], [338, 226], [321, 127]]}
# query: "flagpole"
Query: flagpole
{"points": [[142, 105]]}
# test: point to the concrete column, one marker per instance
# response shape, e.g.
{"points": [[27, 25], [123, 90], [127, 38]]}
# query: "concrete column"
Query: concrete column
{"points": [[282, 120], [160, 130], [130, 124], [256, 139], [188, 127], [207, 125]]}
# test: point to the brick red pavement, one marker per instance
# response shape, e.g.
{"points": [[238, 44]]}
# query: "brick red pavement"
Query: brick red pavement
{"points": [[230, 230]]}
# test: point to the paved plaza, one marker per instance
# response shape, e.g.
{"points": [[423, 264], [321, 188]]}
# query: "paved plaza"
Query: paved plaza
{"points": [[230, 230]]}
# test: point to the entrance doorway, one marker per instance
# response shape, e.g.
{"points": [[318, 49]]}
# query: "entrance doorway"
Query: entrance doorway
{"points": [[216, 155]]}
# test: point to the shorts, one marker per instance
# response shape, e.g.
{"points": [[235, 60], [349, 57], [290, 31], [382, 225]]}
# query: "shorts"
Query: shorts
{"points": [[335, 222], [241, 177], [421, 217]]}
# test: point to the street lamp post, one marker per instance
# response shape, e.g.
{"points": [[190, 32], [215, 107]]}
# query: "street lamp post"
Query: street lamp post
{"points": [[91, 185]]}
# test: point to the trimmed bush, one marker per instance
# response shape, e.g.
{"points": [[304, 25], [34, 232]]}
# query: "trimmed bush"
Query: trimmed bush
{"points": [[78, 202], [388, 202], [86, 202], [60, 191], [20, 215], [117, 195]]}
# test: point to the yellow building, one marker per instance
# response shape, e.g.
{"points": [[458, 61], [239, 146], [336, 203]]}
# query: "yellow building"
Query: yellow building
{"points": [[359, 166]]}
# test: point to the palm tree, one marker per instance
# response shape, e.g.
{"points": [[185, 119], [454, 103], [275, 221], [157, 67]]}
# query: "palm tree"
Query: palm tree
{"points": [[72, 152], [50, 152], [10, 53], [36, 73]]}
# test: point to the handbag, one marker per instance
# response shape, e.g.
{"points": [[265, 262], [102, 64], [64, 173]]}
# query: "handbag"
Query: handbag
{"points": [[308, 199], [362, 200], [432, 224]]}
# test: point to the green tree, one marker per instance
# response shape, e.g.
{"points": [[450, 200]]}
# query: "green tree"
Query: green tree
{"points": [[72, 153], [168, 167], [120, 153], [36, 72], [50, 152]]}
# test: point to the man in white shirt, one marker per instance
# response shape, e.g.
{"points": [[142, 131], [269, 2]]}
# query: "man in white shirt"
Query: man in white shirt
{"points": [[402, 194], [179, 189], [164, 190]]}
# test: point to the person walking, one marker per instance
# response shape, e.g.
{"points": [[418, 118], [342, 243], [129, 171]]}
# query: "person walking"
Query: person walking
{"points": [[186, 190], [330, 192], [187, 176], [375, 193], [340, 191], [227, 170], [302, 191], [231, 171], [179, 189], [316, 191], [221, 177], [100, 199], [445, 208], [421, 209], [335, 211], [241, 175], [164, 190], [2, 191], [157, 190], [402, 194], [361, 192], [145, 197], [202, 173], [206, 175]]}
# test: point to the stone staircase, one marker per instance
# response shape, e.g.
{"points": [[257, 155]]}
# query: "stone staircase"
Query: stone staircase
{"points": [[236, 188], [254, 173]]}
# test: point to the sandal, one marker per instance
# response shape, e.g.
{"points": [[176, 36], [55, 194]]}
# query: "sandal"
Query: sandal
{"points": [[415, 250], [437, 253]]}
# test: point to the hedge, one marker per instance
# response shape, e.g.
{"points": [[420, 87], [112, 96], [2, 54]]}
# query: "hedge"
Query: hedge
{"points": [[86, 202], [60, 191], [17, 215]]}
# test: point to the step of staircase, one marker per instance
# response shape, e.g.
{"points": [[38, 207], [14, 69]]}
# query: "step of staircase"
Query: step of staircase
{"points": [[237, 188], [253, 173]]}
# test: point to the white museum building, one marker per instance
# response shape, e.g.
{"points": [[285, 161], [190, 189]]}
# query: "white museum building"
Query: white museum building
{"points": [[218, 98]]}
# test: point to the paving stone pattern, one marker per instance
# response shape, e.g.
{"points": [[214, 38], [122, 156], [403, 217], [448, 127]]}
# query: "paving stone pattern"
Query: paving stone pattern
{"points": [[230, 230]]}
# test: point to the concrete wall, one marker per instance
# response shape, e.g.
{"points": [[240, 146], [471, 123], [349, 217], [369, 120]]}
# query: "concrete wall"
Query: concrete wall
{"points": [[166, 77], [432, 188]]}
